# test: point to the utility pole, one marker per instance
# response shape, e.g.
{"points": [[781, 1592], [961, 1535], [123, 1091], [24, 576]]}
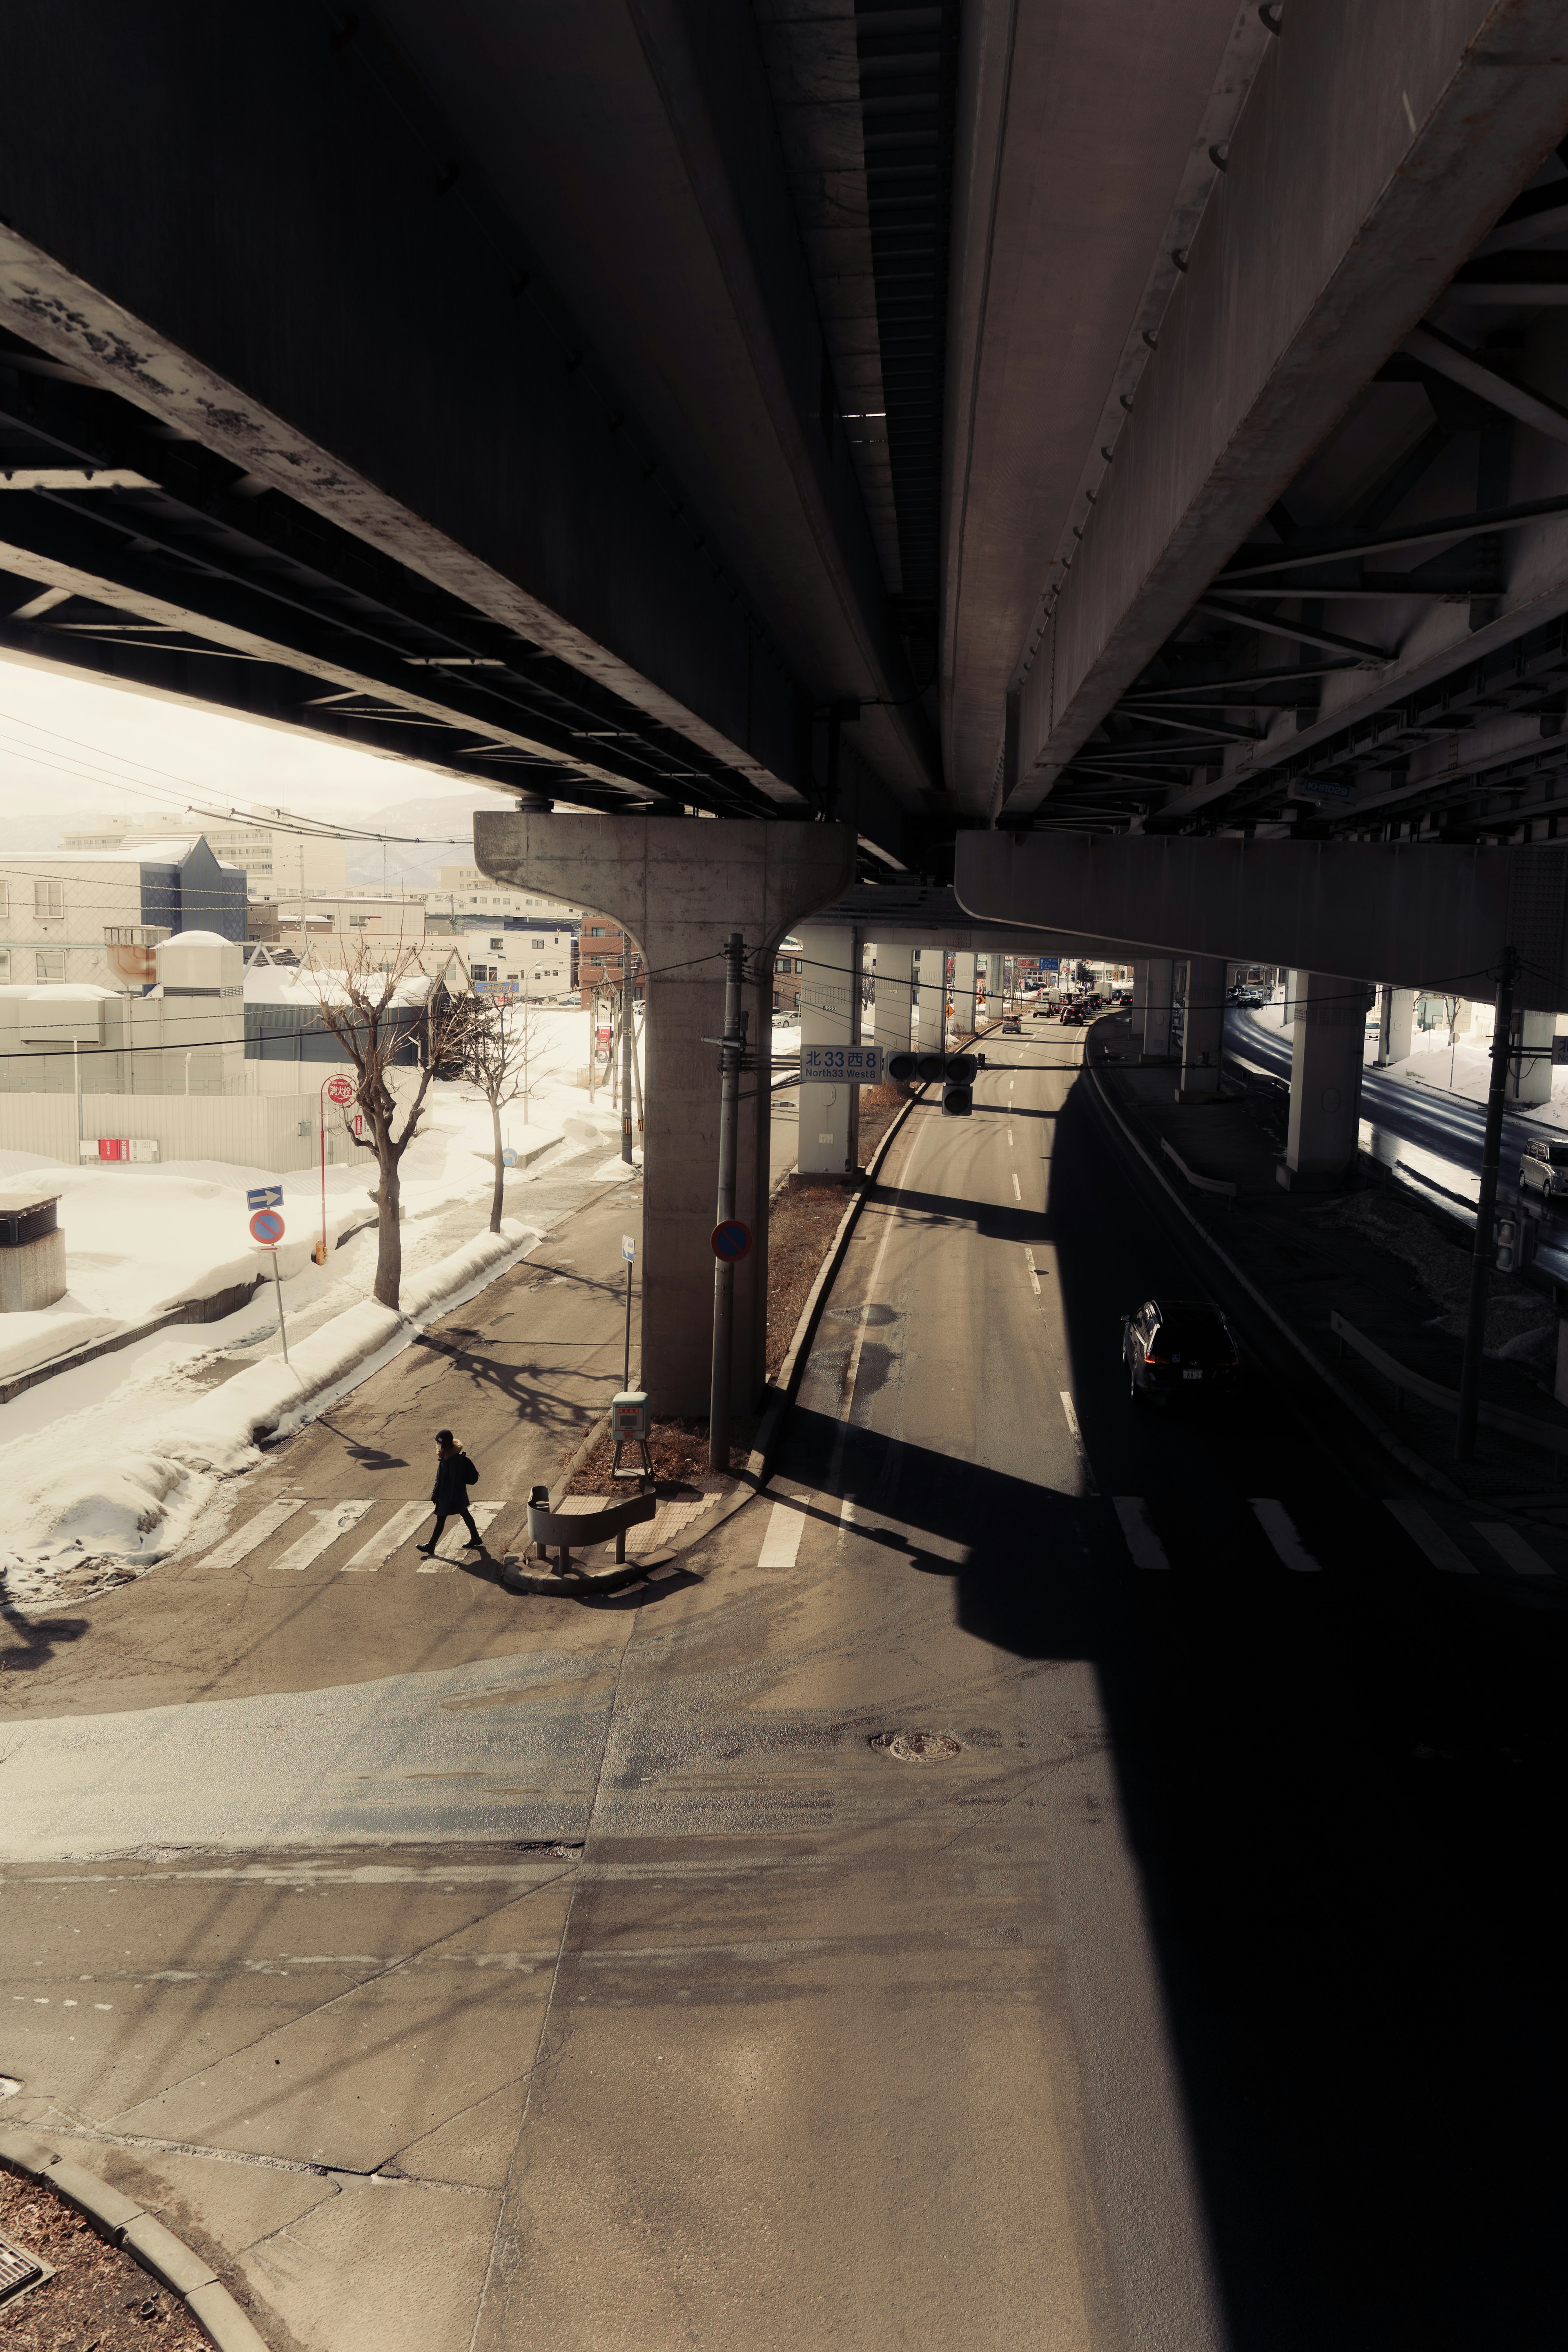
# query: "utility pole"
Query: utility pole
{"points": [[730, 1054], [628, 1050], [1486, 1207]]}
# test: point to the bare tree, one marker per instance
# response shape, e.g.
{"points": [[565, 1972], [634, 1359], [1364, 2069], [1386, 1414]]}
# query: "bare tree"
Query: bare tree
{"points": [[497, 1046], [378, 1005]]}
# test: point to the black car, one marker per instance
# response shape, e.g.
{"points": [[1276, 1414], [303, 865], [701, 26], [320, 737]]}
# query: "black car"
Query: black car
{"points": [[1175, 1347]]}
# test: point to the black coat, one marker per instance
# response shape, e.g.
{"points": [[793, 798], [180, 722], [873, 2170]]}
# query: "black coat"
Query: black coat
{"points": [[454, 1474]]}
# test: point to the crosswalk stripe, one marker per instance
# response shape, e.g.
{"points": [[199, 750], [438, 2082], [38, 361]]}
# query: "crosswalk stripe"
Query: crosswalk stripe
{"points": [[1510, 1545], [333, 1520], [781, 1538], [1424, 1531], [1144, 1545], [457, 1538], [386, 1539], [1284, 1535], [267, 1522]]}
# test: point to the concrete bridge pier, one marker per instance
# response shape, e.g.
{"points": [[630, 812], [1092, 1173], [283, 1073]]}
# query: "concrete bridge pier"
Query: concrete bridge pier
{"points": [[1330, 1039], [1202, 1029], [679, 885], [1395, 1021], [962, 992], [1530, 1058], [931, 997], [829, 1015], [1159, 975], [892, 1010]]}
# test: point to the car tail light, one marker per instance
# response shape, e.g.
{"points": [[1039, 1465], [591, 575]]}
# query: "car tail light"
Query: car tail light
{"points": [[1156, 1359]]}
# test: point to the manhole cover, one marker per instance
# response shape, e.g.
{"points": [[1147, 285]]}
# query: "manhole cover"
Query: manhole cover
{"points": [[917, 1746], [19, 2270]]}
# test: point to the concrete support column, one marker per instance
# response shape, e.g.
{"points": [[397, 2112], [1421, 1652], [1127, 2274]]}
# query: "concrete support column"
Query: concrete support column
{"points": [[1295, 987], [1159, 976], [1202, 1031], [1330, 1039], [895, 991], [963, 993], [829, 1015], [1138, 1000], [679, 886], [1395, 1021], [930, 998], [1530, 1058]]}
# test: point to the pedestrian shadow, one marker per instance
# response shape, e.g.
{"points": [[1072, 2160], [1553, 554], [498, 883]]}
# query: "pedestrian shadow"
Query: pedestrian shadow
{"points": [[34, 1639]]}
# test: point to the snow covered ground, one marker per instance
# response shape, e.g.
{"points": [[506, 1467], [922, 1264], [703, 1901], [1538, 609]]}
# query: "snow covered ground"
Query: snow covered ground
{"points": [[1462, 1068], [105, 1462]]}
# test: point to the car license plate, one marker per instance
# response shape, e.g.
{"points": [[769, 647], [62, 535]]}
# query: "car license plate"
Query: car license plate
{"points": [[1192, 1376]]}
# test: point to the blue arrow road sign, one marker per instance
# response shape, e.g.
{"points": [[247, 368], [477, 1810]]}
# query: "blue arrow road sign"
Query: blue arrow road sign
{"points": [[265, 1196]]}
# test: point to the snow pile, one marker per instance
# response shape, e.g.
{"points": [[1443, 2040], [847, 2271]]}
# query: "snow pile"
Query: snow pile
{"points": [[82, 1498]]}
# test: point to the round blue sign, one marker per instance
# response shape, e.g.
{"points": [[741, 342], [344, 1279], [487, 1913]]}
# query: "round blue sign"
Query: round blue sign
{"points": [[267, 1227], [732, 1240]]}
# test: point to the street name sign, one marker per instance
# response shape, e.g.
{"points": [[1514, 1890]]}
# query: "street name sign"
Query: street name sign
{"points": [[841, 1065]]}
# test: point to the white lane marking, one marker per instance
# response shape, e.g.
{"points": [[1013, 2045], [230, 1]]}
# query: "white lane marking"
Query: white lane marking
{"points": [[852, 1368], [1016, 1194], [1077, 1434], [335, 1520], [780, 1539], [1033, 1277], [267, 1522], [1284, 1535], [1428, 1537], [1144, 1545], [1009, 1139], [454, 1541], [1510, 1545], [386, 1539]]}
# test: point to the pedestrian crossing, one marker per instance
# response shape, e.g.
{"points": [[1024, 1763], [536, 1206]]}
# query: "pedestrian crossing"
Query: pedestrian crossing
{"points": [[1460, 1547], [310, 1532]]}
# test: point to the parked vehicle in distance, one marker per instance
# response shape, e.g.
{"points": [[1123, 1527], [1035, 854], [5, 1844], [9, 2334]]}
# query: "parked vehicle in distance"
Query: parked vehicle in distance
{"points": [[1544, 1169], [1177, 1347]]}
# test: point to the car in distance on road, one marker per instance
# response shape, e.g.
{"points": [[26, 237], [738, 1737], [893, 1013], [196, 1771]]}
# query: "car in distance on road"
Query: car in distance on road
{"points": [[1544, 1169], [1072, 1017], [1011, 1026], [1178, 1347], [1042, 1009]]}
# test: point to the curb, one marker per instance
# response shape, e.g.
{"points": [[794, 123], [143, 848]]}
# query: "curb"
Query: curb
{"points": [[1411, 1463], [780, 1393], [123, 2222]]}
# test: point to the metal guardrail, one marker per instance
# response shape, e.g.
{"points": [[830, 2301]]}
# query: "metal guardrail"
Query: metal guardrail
{"points": [[1220, 1187], [1522, 1426]]}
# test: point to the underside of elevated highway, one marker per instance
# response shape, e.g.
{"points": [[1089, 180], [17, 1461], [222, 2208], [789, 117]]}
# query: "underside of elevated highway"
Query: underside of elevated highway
{"points": [[989, 480]]}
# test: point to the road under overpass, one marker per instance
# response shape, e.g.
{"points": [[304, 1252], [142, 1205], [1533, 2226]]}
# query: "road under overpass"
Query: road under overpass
{"points": [[897, 434]]}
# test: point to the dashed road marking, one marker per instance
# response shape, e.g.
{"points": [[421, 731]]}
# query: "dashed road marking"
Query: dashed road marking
{"points": [[386, 1539], [1284, 1535], [1016, 1194], [454, 1541], [1033, 1277], [332, 1521], [781, 1538], [267, 1522], [1070, 1409], [1428, 1537], [1144, 1545], [1510, 1545]]}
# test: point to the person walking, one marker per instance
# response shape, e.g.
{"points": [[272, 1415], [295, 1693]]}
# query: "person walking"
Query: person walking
{"points": [[455, 1474]]}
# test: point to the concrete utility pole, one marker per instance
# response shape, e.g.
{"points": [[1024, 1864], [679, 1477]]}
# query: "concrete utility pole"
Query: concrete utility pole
{"points": [[1486, 1207], [730, 1057], [627, 1053]]}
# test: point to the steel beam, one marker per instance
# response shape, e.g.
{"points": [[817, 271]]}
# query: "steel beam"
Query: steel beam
{"points": [[1377, 147]]}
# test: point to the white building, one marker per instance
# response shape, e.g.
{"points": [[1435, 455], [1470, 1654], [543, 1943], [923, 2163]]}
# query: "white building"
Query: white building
{"points": [[272, 858], [93, 918], [464, 890], [536, 964]]}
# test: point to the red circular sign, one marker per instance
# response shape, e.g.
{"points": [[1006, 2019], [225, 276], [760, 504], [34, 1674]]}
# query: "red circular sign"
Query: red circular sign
{"points": [[267, 1227], [340, 1090], [732, 1240]]}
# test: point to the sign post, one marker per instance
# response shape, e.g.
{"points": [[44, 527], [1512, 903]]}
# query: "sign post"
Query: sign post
{"points": [[340, 1090], [628, 1251], [628, 1412], [267, 1227]]}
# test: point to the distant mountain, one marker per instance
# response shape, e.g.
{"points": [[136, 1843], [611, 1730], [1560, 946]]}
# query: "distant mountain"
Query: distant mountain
{"points": [[20, 832], [446, 839]]}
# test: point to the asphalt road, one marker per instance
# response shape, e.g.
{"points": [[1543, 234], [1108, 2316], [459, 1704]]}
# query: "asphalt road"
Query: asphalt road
{"points": [[461, 1971]]}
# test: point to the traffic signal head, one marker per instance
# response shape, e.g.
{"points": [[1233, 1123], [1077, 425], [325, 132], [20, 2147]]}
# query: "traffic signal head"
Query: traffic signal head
{"points": [[902, 1067], [954, 1073], [957, 1099]]}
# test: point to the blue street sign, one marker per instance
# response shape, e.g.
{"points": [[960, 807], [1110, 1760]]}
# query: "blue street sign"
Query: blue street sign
{"points": [[509, 1159], [628, 1248], [732, 1240], [265, 1196]]}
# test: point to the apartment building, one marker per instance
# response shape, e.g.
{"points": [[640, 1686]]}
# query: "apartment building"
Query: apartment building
{"points": [[271, 857], [602, 949], [463, 889], [541, 965], [95, 917]]}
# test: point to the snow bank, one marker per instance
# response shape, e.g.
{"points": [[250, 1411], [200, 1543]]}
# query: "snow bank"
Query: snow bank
{"points": [[138, 1505]]}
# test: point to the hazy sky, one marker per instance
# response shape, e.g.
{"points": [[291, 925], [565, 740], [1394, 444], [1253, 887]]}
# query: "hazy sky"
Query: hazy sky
{"points": [[70, 745]]}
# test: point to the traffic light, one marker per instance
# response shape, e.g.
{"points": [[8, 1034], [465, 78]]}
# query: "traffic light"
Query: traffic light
{"points": [[955, 1073]]}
